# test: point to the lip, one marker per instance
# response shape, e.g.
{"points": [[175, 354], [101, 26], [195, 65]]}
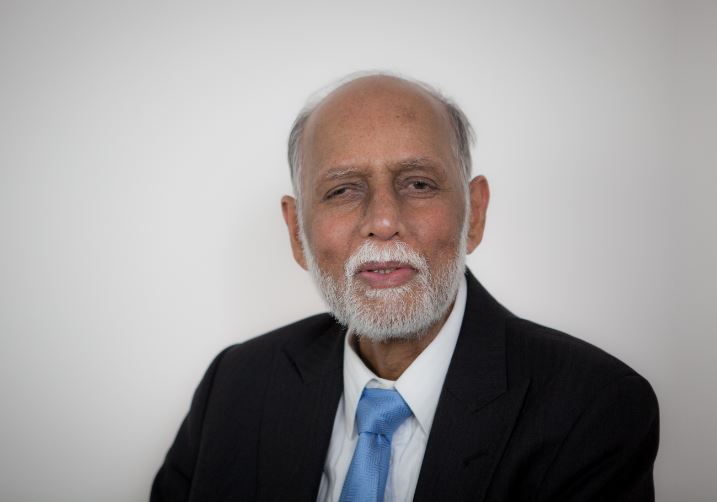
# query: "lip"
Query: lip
{"points": [[391, 274]]}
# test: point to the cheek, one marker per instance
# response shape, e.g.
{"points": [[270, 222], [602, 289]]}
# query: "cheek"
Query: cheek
{"points": [[331, 241], [439, 230]]}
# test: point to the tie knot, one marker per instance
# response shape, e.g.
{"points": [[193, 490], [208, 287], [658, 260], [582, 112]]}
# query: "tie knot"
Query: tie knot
{"points": [[381, 411]]}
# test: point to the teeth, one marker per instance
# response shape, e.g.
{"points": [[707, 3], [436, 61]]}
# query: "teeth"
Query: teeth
{"points": [[384, 270]]}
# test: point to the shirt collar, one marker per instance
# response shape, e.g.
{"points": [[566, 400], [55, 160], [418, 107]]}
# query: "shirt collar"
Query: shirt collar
{"points": [[420, 384]]}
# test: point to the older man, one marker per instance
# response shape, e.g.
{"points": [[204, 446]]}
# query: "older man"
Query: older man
{"points": [[419, 386]]}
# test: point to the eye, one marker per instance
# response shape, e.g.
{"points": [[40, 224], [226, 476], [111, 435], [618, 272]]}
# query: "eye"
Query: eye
{"points": [[420, 185], [339, 192], [336, 192]]}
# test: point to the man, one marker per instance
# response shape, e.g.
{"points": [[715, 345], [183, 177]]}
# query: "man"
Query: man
{"points": [[421, 386]]}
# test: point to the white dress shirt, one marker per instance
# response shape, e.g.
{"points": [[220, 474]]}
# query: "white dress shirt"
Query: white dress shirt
{"points": [[420, 386]]}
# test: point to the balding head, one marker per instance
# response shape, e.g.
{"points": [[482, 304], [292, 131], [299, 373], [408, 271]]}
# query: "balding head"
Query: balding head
{"points": [[377, 95], [384, 214]]}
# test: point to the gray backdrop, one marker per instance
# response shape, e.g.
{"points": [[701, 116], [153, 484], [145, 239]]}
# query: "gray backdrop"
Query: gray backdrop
{"points": [[142, 161]]}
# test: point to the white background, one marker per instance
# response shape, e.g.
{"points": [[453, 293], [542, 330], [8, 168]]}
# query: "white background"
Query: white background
{"points": [[142, 158]]}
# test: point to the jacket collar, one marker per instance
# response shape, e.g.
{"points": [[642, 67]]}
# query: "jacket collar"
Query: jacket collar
{"points": [[323, 355], [477, 408], [474, 417], [477, 373]]}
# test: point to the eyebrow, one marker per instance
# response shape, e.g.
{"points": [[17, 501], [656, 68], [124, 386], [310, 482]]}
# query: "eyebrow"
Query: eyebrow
{"points": [[341, 172], [414, 163]]}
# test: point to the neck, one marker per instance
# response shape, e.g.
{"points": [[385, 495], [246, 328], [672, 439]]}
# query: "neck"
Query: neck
{"points": [[390, 358]]}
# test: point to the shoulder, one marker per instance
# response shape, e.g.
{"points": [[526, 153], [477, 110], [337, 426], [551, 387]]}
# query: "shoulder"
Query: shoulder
{"points": [[238, 376], [256, 353], [550, 359], [561, 366], [547, 351], [596, 419], [302, 332]]}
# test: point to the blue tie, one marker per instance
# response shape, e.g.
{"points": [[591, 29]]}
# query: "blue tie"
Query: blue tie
{"points": [[378, 415]]}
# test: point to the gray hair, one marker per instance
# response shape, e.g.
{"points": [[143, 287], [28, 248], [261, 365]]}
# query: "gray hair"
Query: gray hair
{"points": [[463, 136]]}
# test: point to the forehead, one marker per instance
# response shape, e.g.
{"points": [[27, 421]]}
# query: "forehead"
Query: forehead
{"points": [[377, 120]]}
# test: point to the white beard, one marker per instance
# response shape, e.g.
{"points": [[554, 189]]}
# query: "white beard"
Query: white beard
{"points": [[399, 313]]}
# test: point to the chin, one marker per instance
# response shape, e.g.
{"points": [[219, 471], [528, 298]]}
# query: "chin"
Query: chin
{"points": [[391, 314]]}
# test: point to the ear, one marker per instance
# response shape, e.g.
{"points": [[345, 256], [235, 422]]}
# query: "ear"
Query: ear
{"points": [[479, 197], [291, 217]]}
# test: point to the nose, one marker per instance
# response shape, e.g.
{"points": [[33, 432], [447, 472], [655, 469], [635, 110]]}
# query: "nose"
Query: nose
{"points": [[382, 216]]}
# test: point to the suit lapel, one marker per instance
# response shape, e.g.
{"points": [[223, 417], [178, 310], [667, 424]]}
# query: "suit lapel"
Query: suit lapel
{"points": [[477, 408], [301, 403], [476, 412]]}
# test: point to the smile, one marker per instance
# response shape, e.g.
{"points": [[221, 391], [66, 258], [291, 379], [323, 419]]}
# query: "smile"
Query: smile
{"points": [[383, 270], [386, 275]]}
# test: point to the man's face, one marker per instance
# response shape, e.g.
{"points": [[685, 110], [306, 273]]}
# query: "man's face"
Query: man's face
{"points": [[384, 207]]}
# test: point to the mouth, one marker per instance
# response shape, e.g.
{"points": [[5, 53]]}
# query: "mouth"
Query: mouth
{"points": [[389, 274]]}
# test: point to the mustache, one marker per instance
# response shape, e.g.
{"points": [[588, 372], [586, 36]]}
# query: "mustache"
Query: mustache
{"points": [[396, 252]]}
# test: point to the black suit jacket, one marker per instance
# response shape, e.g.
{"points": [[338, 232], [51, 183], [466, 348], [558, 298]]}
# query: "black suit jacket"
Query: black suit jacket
{"points": [[526, 414]]}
